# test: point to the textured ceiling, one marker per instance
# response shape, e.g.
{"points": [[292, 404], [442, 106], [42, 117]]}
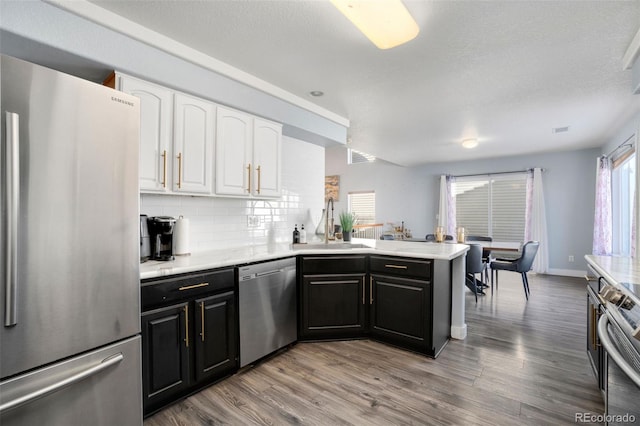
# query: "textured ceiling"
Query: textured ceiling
{"points": [[503, 72]]}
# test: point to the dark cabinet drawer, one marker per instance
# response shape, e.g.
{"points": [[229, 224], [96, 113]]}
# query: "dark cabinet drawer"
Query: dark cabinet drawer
{"points": [[156, 293], [400, 267], [334, 264]]}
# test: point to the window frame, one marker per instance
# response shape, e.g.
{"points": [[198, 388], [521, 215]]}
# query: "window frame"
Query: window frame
{"points": [[622, 193], [373, 207], [491, 179]]}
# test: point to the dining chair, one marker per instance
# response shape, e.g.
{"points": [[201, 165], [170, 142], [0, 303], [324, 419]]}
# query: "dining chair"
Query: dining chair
{"points": [[486, 256], [432, 237], [474, 265], [522, 265]]}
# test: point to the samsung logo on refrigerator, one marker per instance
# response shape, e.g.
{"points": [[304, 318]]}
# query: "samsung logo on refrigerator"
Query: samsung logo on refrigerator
{"points": [[122, 101]]}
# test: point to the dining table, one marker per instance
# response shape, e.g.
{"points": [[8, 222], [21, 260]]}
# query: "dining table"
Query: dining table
{"points": [[512, 246]]}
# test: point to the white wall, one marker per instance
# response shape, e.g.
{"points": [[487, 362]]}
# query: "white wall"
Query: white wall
{"points": [[626, 131], [398, 194], [219, 223], [411, 194]]}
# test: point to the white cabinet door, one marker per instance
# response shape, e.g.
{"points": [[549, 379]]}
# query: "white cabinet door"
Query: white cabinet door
{"points": [[193, 144], [233, 148], [267, 142], [156, 105]]}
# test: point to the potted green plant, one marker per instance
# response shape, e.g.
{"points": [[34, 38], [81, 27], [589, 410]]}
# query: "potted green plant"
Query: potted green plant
{"points": [[347, 220]]}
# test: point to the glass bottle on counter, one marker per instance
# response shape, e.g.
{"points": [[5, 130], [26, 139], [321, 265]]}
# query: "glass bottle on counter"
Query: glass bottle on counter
{"points": [[303, 235], [296, 235]]}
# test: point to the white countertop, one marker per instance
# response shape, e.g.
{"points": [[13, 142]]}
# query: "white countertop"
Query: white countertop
{"points": [[249, 254], [617, 270]]}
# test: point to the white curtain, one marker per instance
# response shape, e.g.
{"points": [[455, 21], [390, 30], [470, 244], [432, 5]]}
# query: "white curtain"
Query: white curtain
{"points": [[535, 228], [602, 223], [447, 207]]}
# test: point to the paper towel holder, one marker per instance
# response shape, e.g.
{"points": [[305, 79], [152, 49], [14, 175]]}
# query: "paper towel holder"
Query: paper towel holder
{"points": [[181, 237]]}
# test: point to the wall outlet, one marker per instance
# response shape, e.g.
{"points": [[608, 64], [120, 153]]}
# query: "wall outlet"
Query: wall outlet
{"points": [[571, 259], [253, 221]]}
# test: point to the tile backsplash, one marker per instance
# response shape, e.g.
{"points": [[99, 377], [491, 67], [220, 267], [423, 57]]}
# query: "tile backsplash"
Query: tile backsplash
{"points": [[218, 223]]}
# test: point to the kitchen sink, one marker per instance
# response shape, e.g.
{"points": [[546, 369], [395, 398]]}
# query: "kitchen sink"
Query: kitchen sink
{"points": [[330, 246]]}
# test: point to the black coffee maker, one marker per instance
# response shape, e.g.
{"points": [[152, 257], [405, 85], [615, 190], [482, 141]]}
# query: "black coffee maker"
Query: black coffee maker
{"points": [[161, 231]]}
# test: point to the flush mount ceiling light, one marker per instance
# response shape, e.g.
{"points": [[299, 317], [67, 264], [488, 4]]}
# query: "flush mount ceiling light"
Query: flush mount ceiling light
{"points": [[470, 143], [387, 23], [316, 93]]}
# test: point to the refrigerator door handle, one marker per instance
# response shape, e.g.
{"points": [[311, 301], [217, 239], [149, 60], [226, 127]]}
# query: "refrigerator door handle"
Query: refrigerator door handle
{"points": [[12, 191], [40, 393]]}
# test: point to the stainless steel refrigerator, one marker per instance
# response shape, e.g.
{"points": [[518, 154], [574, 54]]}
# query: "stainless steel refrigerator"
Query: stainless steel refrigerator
{"points": [[70, 344]]}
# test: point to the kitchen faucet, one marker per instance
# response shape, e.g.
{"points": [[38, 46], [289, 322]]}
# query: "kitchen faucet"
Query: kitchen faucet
{"points": [[326, 222]]}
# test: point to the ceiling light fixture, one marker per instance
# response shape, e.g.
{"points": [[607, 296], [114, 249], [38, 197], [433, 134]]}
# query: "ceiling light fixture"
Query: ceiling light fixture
{"points": [[316, 93], [470, 143], [387, 23]]}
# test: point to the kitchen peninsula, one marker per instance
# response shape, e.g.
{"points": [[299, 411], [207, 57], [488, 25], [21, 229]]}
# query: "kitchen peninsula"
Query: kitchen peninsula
{"points": [[195, 309], [452, 254]]}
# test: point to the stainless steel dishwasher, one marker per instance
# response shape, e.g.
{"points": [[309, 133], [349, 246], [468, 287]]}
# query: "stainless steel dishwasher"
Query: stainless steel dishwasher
{"points": [[267, 307]]}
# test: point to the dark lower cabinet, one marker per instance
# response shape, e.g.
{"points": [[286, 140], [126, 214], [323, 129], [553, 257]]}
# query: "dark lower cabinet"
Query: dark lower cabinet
{"points": [[332, 297], [333, 305], [191, 342], [400, 311], [411, 302], [215, 342], [165, 363], [402, 301], [595, 352]]}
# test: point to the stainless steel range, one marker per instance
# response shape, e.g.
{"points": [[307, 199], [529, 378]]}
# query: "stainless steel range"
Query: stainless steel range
{"points": [[619, 332]]}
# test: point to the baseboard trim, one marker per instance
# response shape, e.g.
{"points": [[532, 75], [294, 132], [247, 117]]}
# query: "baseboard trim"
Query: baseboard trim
{"points": [[459, 332], [567, 272]]}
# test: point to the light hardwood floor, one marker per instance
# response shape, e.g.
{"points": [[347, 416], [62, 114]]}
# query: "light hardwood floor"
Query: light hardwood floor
{"points": [[522, 363]]}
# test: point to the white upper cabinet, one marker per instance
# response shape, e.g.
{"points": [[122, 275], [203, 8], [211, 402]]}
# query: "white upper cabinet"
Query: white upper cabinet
{"points": [[156, 105], [247, 155], [183, 139], [267, 143], [193, 141], [233, 152]]}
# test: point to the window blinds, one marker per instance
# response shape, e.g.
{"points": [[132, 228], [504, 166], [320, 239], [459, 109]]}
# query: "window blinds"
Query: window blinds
{"points": [[363, 204], [492, 206]]}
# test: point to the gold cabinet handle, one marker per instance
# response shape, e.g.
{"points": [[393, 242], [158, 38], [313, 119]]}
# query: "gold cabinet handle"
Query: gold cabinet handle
{"points": [[249, 178], [396, 266], [202, 321], [594, 327], [189, 287], [164, 168], [180, 170], [258, 170], [186, 325], [371, 290]]}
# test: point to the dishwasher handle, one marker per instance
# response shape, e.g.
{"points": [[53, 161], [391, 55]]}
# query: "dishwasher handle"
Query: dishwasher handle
{"points": [[254, 275]]}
